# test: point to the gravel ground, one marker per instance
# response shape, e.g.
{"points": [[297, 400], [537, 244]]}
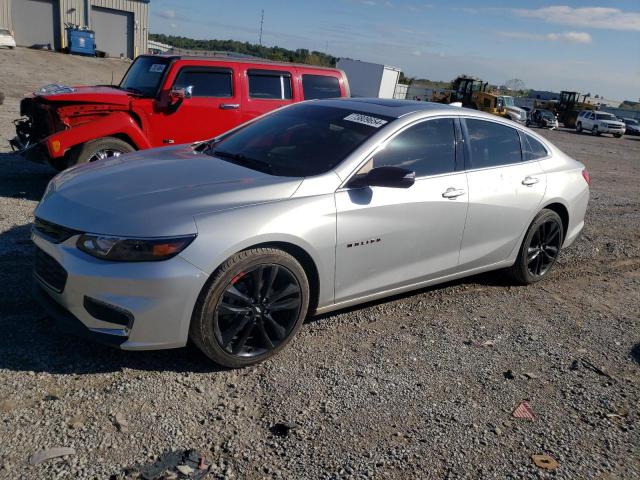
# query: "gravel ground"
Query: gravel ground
{"points": [[417, 386]]}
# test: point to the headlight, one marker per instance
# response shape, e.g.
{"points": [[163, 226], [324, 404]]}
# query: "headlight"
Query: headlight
{"points": [[120, 249]]}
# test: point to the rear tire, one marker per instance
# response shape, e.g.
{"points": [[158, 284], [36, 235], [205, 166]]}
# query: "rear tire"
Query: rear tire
{"points": [[251, 308], [540, 248], [99, 149]]}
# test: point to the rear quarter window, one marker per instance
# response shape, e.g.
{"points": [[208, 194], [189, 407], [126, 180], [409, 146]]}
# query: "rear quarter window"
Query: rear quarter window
{"points": [[532, 149], [320, 86]]}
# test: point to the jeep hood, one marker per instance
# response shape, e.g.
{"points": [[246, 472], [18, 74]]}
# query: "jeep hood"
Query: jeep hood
{"points": [[100, 94], [155, 193]]}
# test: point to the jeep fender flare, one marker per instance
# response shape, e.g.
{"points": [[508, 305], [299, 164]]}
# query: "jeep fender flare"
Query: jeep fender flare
{"points": [[114, 124]]}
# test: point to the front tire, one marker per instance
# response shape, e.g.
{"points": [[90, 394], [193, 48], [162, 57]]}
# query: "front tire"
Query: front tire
{"points": [[617, 135], [594, 131], [251, 308], [99, 149], [540, 248], [579, 127]]}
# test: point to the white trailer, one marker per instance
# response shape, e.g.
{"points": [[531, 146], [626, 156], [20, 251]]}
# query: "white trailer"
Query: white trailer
{"points": [[370, 79]]}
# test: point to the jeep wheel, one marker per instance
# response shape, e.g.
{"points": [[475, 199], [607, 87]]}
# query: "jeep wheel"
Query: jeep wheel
{"points": [[579, 127], [100, 149]]}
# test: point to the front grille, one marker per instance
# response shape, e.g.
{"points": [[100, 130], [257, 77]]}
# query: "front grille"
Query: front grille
{"points": [[52, 232], [48, 270]]}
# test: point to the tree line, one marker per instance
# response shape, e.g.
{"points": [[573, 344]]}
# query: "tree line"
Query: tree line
{"points": [[279, 54]]}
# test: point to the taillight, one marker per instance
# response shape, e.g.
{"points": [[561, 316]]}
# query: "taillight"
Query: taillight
{"points": [[586, 176]]}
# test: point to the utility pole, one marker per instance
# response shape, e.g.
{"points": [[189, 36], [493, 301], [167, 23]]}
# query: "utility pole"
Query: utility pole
{"points": [[261, 22]]}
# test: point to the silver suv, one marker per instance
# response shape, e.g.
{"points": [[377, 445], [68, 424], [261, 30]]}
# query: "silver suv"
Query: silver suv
{"points": [[314, 207]]}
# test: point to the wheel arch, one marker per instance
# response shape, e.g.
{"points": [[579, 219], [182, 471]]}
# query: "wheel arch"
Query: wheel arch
{"points": [[307, 262], [563, 213]]}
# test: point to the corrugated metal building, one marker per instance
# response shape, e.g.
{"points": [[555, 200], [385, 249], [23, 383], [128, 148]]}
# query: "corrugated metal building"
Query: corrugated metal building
{"points": [[121, 26]]}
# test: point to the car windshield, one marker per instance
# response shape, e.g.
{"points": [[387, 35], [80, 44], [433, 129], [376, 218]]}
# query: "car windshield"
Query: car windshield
{"points": [[546, 114], [299, 141], [631, 122], [144, 76], [508, 101], [605, 116]]}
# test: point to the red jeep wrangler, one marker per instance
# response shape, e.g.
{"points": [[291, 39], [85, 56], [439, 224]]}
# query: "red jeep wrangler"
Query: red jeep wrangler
{"points": [[162, 100]]}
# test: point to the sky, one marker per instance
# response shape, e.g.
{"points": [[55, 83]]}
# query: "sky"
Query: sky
{"points": [[562, 45]]}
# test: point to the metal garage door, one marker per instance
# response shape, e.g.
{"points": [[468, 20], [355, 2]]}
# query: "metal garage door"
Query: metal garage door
{"points": [[36, 23], [114, 31]]}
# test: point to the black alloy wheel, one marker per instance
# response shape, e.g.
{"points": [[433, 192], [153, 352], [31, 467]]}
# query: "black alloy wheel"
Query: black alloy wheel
{"points": [[257, 311], [540, 248], [251, 307], [544, 247]]}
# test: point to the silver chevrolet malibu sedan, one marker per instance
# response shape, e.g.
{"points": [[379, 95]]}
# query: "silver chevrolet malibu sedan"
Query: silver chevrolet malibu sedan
{"points": [[315, 207]]}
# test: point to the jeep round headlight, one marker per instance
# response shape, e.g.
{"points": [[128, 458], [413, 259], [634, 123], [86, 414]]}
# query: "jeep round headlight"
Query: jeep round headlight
{"points": [[118, 249]]}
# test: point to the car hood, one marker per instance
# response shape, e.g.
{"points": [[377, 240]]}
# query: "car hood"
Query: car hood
{"points": [[617, 123], [99, 94], [155, 193], [517, 110]]}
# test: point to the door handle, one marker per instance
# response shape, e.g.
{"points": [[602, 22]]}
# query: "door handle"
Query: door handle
{"points": [[229, 106], [453, 193], [530, 181]]}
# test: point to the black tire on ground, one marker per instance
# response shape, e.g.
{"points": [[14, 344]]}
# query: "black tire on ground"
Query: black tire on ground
{"points": [[594, 131], [617, 135], [520, 271], [579, 127], [212, 317], [91, 151]]}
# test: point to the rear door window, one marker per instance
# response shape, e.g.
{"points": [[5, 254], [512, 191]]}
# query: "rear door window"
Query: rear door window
{"points": [[427, 148], [206, 82], [492, 144], [320, 86], [270, 84]]}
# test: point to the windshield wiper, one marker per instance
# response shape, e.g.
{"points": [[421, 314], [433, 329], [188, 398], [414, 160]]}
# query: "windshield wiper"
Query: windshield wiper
{"points": [[243, 160]]}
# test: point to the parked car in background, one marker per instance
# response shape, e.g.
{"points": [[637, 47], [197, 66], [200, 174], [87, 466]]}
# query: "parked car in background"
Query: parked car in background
{"points": [[542, 118], [632, 126], [312, 208], [600, 122], [6, 38], [163, 100]]}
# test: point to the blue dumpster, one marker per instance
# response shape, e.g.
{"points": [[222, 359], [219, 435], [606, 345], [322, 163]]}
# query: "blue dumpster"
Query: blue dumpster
{"points": [[81, 42]]}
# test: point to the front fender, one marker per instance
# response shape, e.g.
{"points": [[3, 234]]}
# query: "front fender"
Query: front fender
{"points": [[113, 124]]}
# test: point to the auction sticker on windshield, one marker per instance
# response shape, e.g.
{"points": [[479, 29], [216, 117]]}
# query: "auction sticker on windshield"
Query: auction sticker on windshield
{"points": [[157, 68], [365, 120]]}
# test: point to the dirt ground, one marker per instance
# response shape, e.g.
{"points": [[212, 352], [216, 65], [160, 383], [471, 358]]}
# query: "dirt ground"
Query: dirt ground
{"points": [[417, 386]]}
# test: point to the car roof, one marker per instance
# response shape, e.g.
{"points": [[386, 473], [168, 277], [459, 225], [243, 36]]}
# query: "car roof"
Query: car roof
{"points": [[233, 58], [388, 107]]}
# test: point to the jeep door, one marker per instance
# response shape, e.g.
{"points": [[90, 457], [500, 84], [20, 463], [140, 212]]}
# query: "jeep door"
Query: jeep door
{"points": [[505, 191], [392, 237], [213, 108]]}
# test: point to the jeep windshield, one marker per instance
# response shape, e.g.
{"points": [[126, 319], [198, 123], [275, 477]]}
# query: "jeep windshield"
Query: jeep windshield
{"points": [[144, 76], [299, 141]]}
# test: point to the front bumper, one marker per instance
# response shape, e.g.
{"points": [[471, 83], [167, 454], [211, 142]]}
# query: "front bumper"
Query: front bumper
{"points": [[158, 296], [612, 130]]}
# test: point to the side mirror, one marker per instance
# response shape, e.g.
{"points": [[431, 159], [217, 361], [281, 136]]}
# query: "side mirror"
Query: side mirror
{"points": [[178, 94], [390, 177]]}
